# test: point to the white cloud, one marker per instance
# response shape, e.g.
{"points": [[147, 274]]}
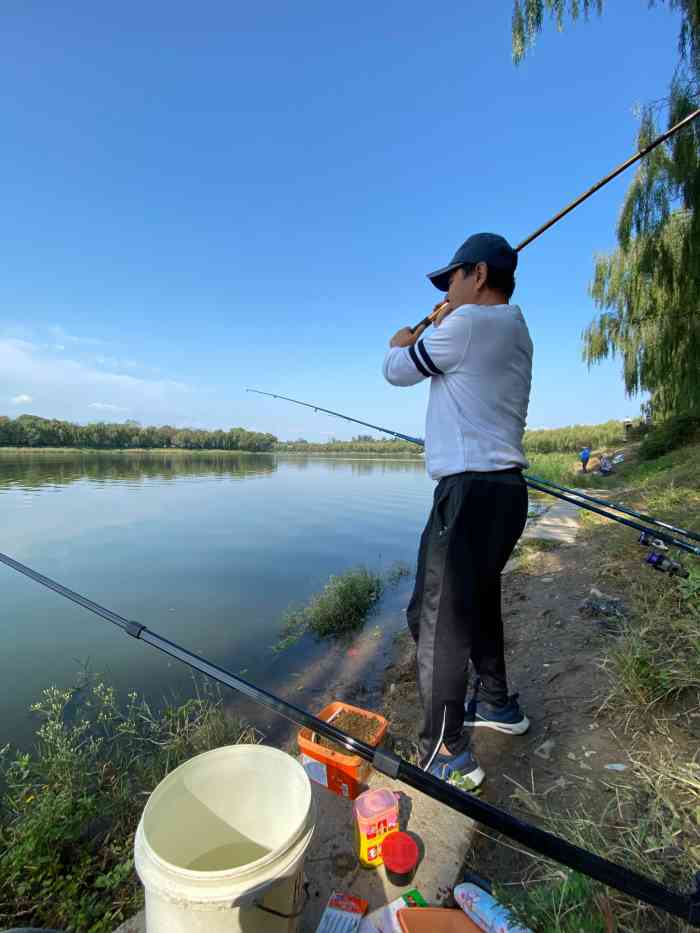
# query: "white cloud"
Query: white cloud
{"points": [[21, 399], [105, 406], [60, 387], [62, 337], [116, 362]]}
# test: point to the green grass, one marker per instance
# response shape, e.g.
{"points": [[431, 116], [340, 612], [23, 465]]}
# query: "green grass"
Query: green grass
{"points": [[650, 824], [341, 607], [657, 658], [69, 809], [567, 903]]}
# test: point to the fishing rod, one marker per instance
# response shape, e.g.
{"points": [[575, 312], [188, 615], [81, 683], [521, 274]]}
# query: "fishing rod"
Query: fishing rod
{"points": [[618, 508], [652, 535], [685, 906], [686, 121], [337, 414], [532, 482]]}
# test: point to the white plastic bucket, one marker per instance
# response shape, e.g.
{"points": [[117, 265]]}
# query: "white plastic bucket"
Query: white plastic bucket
{"points": [[221, 842]]}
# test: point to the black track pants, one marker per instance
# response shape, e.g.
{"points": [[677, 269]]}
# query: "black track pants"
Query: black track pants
{"points": [[455, 611]]}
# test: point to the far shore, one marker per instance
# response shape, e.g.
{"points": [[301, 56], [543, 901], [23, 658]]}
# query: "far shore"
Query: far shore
{"points": [[208, 452]]}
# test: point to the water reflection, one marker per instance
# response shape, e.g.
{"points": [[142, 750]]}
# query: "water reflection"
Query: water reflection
{"points": [[33, 471], [360, 466]]}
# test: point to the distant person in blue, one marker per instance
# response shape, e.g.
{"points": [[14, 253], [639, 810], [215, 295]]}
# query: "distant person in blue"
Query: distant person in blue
{"points": [[584, 457]]}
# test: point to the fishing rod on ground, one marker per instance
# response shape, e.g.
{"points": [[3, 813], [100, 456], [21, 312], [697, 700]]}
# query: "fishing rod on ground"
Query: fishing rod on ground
{"points": [[686, 121], [647, 537], [618, 508], [685, 906], [650, 534]]}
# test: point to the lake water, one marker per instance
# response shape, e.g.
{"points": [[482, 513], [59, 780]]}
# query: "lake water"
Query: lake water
{"points": [[206, 551]]}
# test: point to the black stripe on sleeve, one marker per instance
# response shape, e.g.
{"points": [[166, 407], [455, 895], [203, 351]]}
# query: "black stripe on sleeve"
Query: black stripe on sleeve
{"points": [[428, 361], [419, 366]]}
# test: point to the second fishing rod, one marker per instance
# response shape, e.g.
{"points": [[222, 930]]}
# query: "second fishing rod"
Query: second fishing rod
{"points": [[534, 482]]}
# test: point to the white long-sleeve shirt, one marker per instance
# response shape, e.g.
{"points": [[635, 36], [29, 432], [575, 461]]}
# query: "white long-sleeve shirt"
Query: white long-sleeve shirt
{"points": [[479, 362]]}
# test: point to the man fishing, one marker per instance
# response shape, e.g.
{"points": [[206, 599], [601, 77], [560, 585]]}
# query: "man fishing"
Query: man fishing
{"points": [[479, 361]]}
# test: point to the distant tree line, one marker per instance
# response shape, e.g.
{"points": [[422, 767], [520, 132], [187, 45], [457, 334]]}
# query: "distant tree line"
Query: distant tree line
{"points": [[32, 431], [362, 443]]}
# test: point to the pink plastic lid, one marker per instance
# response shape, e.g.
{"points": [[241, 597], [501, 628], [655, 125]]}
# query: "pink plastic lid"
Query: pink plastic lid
{"points": [[373, 802]]}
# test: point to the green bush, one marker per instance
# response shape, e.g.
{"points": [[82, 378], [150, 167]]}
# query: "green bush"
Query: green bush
{"points": [[340, 607], [69, 810], [669, 435], [569, 905], [344, 602]]}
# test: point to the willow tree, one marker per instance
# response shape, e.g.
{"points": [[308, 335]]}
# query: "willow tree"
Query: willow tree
{"points": [[648, 289]]}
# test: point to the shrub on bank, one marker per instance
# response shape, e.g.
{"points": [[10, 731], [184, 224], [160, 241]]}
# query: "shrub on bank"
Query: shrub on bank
{"points": [[669, 435], [69, 810], [340, 607]]}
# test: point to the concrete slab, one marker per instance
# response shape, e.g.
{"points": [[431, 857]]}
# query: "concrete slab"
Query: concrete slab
{"points": [[443, 836], [559, 523]]}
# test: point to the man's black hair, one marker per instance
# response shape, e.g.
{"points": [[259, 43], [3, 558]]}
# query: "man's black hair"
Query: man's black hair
{"points": [[497, 279]]}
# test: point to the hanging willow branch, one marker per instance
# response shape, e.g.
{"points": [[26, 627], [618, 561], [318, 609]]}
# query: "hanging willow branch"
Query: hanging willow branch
{"points": [[648, 289]]}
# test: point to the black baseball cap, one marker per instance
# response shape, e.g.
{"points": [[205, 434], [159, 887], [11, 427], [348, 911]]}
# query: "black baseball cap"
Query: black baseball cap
{"points": [[490, 248]]}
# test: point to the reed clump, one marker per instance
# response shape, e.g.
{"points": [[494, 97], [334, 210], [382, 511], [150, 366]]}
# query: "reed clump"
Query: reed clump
{"points": [[342, 606]]}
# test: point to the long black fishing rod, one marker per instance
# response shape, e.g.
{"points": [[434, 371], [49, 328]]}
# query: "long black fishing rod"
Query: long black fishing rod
{"points": [[660, 536], [532, 482], [337, 414], [617, 507], [685, 906], [686, 121]]}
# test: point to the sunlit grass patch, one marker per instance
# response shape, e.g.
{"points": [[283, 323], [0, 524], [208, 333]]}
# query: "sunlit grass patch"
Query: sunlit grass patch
{"points": [[658, 656], [649, 824]]}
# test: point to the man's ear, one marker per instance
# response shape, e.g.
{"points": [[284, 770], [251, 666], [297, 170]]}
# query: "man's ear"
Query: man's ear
{"points": [[482, 274]]}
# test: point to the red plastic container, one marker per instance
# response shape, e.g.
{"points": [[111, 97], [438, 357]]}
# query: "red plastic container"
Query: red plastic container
{"points": [[342, 773], [400, 854]]}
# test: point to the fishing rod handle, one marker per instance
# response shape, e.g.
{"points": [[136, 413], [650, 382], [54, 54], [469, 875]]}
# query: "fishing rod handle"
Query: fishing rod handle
{"points": [[427, 321]]}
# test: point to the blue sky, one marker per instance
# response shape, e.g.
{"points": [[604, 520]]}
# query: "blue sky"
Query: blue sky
{"points": [[203, 197]]}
